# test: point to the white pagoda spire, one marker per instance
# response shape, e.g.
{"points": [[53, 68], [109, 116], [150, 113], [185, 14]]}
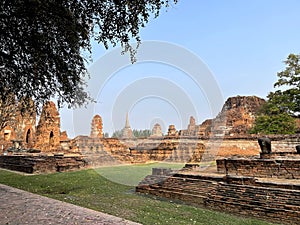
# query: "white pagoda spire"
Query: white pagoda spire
{"points": [[127, 125]]}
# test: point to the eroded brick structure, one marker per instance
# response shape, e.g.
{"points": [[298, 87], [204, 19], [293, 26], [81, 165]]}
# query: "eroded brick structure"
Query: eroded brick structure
{"points": [[36, 163], [183, 146], [172, 132], [169, 150], [22, 132], [235, 119], [156, 131], [21, 128], [192, 129], [96, 127], [245, 186], [48, 129], [237, 115]]}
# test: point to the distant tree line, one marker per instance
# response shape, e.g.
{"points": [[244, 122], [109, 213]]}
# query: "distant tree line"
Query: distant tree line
{"points": [[117, 134], [141, 133], [136, 133]]}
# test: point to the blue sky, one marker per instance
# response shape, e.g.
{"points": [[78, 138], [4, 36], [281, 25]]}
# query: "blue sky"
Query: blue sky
{"points": [[242, 43]]}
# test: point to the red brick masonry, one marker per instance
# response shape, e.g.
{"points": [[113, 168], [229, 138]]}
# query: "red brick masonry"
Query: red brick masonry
{"points": [[265, 199]]}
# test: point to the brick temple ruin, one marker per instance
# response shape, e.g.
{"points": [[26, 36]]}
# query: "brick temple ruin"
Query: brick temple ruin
{"points": [[244, 181], [227, 133], [40, 148], [266, 186], [22, 131]]}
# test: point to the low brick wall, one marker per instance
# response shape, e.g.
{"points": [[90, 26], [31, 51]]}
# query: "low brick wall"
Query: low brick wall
{"points": [[178, 149], [239, 195], [280, 155], [41, 163], [277, 168], [145, 155]]}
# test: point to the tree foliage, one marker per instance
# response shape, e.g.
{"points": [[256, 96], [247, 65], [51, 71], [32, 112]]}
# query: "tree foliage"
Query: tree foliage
{"points": [[136, 133], [7, 110], [277, 115], [288, 100], [117, 134], [274, 124], [141, 133], [43, 42]]}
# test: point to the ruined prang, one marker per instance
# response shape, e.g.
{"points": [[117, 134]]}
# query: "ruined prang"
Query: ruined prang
{"points": [[21, 128], [48, 129], [237, 115], [156, 131], [172, 132], [96, 127]]}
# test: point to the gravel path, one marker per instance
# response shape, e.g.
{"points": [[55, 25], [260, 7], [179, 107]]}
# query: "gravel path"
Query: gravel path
{"points": [[21, 207]]}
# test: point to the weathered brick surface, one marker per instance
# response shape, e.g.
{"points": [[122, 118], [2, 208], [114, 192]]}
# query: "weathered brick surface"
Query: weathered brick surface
{"points": [[102, 151], [172, 149], [276, 168], [241, 195], [42, 163], [21, 127], [168, 149], [48, 129], [96, 127]]}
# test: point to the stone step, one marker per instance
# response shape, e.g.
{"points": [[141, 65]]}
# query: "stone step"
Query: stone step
{"points": [[254, 210], [172, 194], [255, 203]]}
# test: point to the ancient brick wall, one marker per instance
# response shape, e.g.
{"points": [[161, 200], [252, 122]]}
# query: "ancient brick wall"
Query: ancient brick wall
{"points": [[277, 168], [102, 151], [174, 149], [244, 146], [248, 145], [143, 156], [284, 143], [21, 127], [42, 163], [275, 204], [229, 147], [240, 195], [168, 149], [26, 124]]}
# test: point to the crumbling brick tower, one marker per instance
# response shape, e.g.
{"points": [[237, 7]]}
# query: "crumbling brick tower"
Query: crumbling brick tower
{"points": [[96, 127], [48, 129], [26, 123], [21, 126]]}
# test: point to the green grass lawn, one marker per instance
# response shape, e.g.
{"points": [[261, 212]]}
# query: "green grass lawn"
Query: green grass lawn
{"points": [[131, 175], [89, 188]]}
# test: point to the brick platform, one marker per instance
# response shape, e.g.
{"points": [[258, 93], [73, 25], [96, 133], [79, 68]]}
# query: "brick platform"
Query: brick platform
{"points": [[271, 199], [42, 163]]}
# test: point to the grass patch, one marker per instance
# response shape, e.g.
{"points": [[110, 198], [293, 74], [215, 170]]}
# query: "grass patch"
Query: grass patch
{"points": [[89, 189], [131, 175]]}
